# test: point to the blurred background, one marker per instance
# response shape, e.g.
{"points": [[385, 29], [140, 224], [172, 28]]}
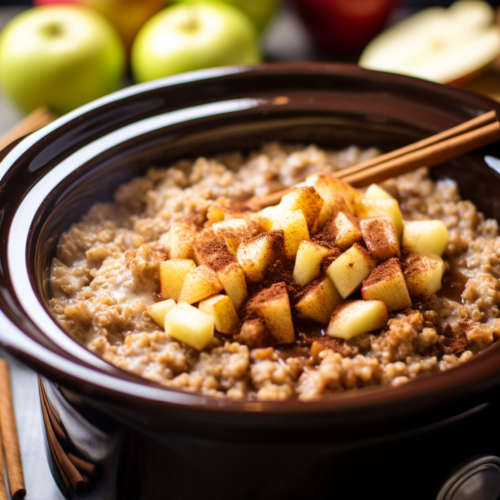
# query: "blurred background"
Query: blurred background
{"points": [[56, 55]]}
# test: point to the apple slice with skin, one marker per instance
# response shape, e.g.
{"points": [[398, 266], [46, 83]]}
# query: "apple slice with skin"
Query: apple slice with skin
{"points": [[423, 274], [221, 308], [319, 301], [308, 262], [387, 283], [294, 226], [272, 305], [199, 284], [159, 310], [173, 273], [349, 270], [306, 199], [190, 325], [367, 209], [380, 237], [356, 317], [425, 236], [258, 253], [344, 229], [375, 192]]}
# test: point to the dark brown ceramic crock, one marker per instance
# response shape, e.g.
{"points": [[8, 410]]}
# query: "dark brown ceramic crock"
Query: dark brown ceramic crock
{"points": [[150, 442]]}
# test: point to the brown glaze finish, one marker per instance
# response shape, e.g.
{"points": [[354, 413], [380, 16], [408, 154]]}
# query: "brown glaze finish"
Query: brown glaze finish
{"points": [[331, 105]]}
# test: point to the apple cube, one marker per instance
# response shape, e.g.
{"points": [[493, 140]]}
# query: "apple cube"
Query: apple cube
{"points": [[303, 198], [308, 261], [199, 284], [180, 241], [273, 306], [356, 317], [295, 230], [221, 308], [423, 274], [367, 208], [265, 217], [233, 280], [350, 269], [380, 237], [387, 283], [233, 231], [425, 236], [207, 249], [330, 188], [159, 310], [375, 192], [173, 273], [216, 212], [319, 301], [345, 230], [190, 325], [258, 253]]}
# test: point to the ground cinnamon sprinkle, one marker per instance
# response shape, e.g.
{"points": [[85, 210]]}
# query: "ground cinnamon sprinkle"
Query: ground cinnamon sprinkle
{"points": [[385, 271], [455, 342]]}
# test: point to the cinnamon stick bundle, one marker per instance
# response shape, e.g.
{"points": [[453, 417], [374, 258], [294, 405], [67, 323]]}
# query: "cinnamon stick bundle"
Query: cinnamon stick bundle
{"points": [[9, 435]]}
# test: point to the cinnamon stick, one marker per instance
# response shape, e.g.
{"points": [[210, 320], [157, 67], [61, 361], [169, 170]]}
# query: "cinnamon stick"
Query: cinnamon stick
{"points": [[9, 435], [58, 465], [82, 465], [35, 120], [53, 421], [3, 490]]}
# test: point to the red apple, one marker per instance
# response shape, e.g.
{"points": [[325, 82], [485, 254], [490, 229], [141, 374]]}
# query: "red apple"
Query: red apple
{"points": [[344, 25], [127, 16]]}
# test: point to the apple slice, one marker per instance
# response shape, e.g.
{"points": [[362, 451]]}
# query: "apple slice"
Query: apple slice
{"points": [[356, 317], [375, 192], [443, 45], [308, 262], [199, 284], [302, 198], [387, 283], [180, 240], [367, 209], [273, 306], [233, 280], [173, 273], [319, 301], [190, 325], [346, 230], [425, 236], [221, 308], [350, 269], [294, 226], [380, 237], [257, 254], [159, 310], [423, 274]]}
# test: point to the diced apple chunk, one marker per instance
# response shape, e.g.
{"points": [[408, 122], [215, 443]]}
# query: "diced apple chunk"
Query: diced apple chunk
{"points": [[295, 230], [387, 283], [425, 236], [207, 249], [319, 301], [180, 240], [159, 310], [257, 254], [350, 269], [367, 208], [217, 212], [221, 308], [190, 325], [272, 305], [265, 217], [375, 192], [356, 317], [330, 188], [173, 273], [303, 198], [199, 284], [308, 262], [380, 237], [233, 280], [345, 230], [423, 274], [234, 231]]}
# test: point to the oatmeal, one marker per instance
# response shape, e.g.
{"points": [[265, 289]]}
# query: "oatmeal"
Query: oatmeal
{"points": [[329, 291]]}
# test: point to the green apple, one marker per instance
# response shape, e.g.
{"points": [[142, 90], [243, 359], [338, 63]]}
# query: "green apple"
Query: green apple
{"points": [[259, 11], [193, 35], [59, 56]]}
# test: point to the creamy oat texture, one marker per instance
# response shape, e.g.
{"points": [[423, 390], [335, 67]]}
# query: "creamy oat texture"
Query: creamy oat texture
{"points": [[106, 275]]}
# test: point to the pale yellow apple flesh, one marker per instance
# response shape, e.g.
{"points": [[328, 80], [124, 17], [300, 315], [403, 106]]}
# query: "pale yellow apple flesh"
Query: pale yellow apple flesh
{"points": [[319, 301], [173, 273], [159, 310], [199, 284], [423, 274], [294, 226], [305, 199], [221, 308], [425, 236], [308, 262]]}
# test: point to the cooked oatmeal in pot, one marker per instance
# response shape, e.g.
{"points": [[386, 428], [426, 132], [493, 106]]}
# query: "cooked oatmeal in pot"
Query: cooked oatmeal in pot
{"points": [[326, 292]]}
